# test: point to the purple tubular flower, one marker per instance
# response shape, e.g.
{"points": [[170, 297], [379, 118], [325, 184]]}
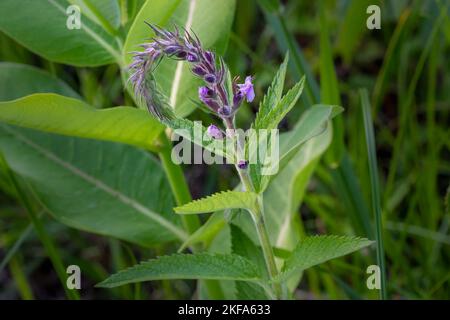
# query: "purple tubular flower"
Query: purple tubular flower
{"points": [[247, 89], [214, 132], [242, 164], [198, 70], [192, 57]]}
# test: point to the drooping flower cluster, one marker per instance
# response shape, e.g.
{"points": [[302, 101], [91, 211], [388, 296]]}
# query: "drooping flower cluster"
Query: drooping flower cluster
{"points": [[203, 63]]}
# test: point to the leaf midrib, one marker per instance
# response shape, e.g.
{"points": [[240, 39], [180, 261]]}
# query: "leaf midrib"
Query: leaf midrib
{"points": [[102, 186], [94, 36]]}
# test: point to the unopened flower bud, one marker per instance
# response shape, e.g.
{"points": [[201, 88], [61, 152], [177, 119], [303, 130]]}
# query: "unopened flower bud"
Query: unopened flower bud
{"points": [[210, 78], [242, 164], [198, 71], [192, 57]]}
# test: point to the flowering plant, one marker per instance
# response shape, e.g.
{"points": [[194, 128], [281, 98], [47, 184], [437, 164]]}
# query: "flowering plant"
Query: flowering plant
{"points": [[223, 100]]}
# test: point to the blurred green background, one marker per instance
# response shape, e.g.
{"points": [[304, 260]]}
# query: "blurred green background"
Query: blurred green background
{"points": [[405, 66]]}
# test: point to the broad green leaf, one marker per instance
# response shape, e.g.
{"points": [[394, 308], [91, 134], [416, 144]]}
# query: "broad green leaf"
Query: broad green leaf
{"points": [[187, 266], [68, 116], [101, 187], [210, 20], [279, 111], [195, 132], [274, 93], [41, 26], [19, 80], [315, 250], [220, 201], [105, 13]]}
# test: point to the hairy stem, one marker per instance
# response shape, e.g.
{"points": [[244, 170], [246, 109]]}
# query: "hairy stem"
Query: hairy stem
{"points": [[258, 219]]}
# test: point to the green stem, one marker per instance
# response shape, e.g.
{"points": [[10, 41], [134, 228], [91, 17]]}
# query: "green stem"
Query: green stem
{"points": [[258, 219]]}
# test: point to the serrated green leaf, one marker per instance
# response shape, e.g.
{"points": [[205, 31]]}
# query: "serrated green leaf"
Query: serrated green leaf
{"points": [[41, 26], [62, 115], [279, 111], [220, 201], [315, 250], [274, 93], [187, 266]]}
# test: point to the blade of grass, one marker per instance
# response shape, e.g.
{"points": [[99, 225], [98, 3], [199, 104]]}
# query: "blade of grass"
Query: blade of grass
{"points": [[346, 182], [286, 42], [408, 102], [329, 90], [16, 246], [388, 62], [47, 242], [375, 187], [15, 266]]}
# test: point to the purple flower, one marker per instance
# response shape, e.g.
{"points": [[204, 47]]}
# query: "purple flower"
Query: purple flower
{"points": [[205, 93], [247, 89], [242, 164], [192, 57], [199, 71], [214, 132], [207, 96], [210, 78]]}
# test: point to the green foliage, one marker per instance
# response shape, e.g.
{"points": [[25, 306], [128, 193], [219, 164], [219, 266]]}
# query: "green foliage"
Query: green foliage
{"points": [[19, 80], [279, 111], [311, 251], [187, 266], [51, 113], [220, 201], [91, 169], [101, 187], [273, 95], [195, 132], [41, 27]]}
